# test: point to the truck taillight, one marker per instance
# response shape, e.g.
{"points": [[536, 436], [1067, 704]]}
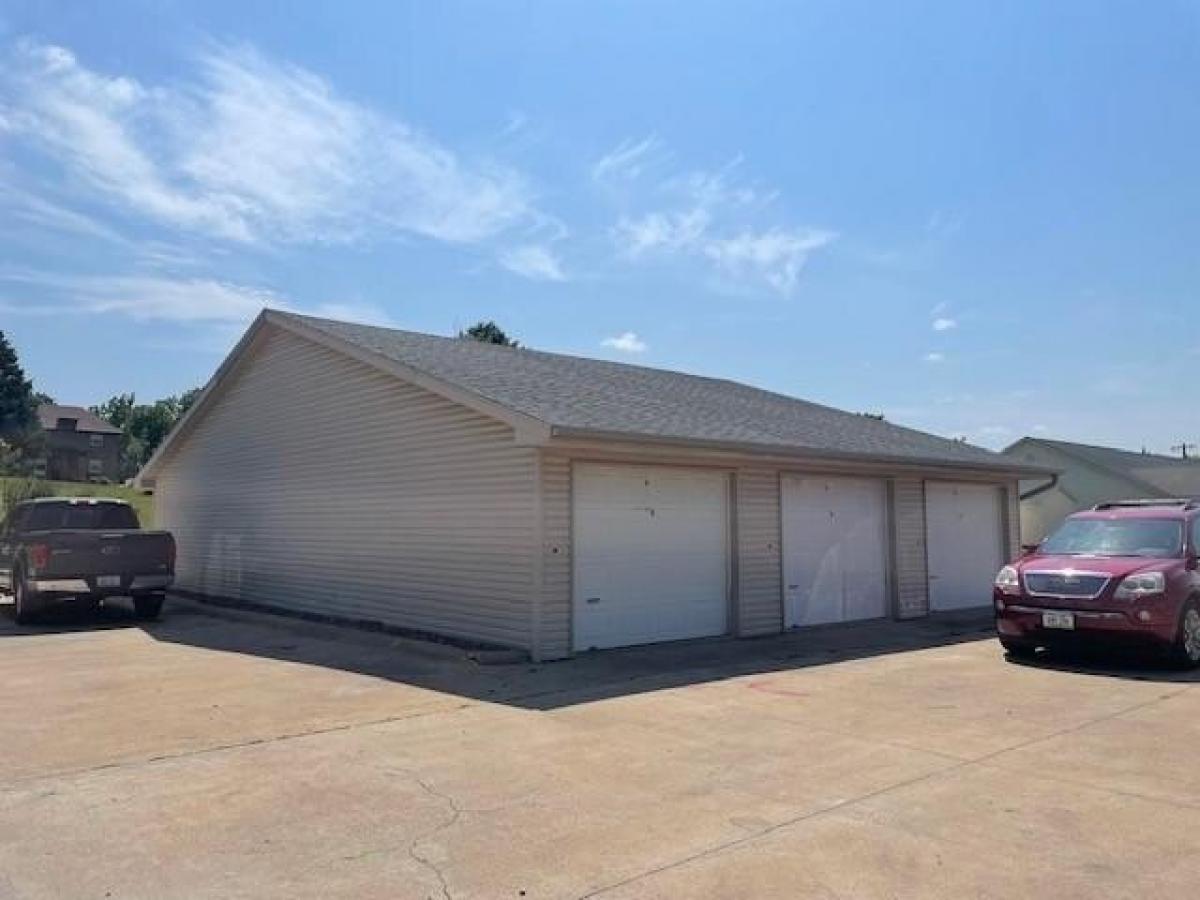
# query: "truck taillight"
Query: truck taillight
{"points": [[39, 555]]}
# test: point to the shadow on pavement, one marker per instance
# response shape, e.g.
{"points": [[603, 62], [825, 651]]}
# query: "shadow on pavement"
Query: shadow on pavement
{"points": [[586, 678], [1127, 663]]}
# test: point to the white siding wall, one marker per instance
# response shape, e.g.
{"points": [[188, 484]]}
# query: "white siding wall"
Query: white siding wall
{"points": [[908, 547], [759, 564], [318, 484]]}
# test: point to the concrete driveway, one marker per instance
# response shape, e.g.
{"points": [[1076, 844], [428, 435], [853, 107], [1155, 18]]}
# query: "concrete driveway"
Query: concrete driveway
{"points": [[241, 756]]}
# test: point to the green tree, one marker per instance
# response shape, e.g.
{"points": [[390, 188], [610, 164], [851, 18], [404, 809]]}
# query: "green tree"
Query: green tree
{"points": [[143, 426], [488, 333], [18, 409], [116, 410]]}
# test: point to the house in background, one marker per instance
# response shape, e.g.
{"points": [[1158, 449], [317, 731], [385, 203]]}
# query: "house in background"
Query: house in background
{"points": [[80, 446], [558, 504], [1089, 475]]}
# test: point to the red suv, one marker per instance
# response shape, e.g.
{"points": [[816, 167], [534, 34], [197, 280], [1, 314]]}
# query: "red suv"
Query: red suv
{"points": [[1126, 571]]}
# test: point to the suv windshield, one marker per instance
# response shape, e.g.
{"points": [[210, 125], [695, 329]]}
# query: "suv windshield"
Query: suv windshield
{"points": [[82, 516], [1116, 537]]}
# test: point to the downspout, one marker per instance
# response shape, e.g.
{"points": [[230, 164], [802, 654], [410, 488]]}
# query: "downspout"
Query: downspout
{"points": [[1041, 488]]}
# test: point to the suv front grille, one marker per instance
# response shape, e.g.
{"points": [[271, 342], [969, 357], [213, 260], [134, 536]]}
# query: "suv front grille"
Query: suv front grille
{"points": [[1065, 584]]}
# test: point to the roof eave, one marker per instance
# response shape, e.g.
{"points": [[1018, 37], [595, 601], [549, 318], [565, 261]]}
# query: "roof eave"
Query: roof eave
{"points": [[564, 434]]}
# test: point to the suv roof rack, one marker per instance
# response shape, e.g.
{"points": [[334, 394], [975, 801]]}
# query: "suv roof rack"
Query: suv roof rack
{"points": [[1181, 502]]}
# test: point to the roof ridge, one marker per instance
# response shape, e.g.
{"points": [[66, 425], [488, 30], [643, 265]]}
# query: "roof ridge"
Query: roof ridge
{"points": [[620, 364], [581, 395], [1135, 454], [533, 351]]}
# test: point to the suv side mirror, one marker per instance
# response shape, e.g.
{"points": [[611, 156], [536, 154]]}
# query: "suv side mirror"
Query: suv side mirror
{"points": [[1028, 549]]}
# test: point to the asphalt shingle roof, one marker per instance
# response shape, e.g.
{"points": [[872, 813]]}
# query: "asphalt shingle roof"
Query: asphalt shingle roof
{"points": [[575, 393], [88, 422], [1168, 476]]}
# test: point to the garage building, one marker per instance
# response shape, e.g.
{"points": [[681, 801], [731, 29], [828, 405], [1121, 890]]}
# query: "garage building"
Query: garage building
{"points": [[558, 504]]}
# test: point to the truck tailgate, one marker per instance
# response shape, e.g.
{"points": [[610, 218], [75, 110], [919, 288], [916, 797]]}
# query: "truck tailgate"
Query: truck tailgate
{"points": [[89, 553]]}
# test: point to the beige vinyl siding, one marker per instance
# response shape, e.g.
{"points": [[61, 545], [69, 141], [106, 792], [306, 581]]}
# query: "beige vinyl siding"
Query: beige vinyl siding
{"points": [[759, 562], [908, 551], [555, 615], [317, 483], [1012, 519]]}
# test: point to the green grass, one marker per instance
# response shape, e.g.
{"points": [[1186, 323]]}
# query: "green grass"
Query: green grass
{"points": [[140, 502]]}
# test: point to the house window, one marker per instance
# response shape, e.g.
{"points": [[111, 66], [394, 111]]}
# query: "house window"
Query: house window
{"points": [[95, 467], [97, 440]]}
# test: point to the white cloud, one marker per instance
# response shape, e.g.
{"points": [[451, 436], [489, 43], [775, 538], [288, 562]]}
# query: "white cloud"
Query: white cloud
{"points": [[777, 256], [187, 301], [628, 160], [934, 357], [670, 232], [714, 216], [145, 298], [626, 342], [534, 261], [943, 323], [253, 150]]}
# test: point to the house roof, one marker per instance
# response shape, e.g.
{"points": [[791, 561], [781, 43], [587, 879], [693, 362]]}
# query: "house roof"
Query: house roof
{"points": [[87, 421], [580, 397], [1152, 473]]}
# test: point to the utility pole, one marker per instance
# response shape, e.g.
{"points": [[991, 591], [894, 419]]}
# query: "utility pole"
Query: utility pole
{"points": [[1184, 449]]}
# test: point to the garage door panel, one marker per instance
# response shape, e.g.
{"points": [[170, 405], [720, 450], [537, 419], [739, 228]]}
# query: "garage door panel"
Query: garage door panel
{"points": [[835, 557], [964, 543], [651, 555]]}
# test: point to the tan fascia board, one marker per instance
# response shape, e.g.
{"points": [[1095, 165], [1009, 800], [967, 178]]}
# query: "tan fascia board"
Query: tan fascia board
{"points": [[583, 442]]}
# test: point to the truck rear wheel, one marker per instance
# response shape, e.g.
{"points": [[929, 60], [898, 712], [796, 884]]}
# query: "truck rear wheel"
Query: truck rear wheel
{"points": [[22, 602], [148, 606]]}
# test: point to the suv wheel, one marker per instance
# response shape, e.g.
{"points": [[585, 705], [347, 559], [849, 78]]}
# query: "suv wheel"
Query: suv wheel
{"points": [[22, 610], [1186, 650], [1018, 649]]}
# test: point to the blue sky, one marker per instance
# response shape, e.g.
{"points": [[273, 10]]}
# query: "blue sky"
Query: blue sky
{"points": [[979, 219]]}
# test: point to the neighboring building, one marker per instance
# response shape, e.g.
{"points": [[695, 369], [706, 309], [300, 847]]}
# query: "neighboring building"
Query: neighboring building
{"points": [[559, 504], [1091, 475], [80, 446]]}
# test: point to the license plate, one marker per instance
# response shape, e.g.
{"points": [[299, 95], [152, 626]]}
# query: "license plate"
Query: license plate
{"points": [[1063, 620], [108, 581]]}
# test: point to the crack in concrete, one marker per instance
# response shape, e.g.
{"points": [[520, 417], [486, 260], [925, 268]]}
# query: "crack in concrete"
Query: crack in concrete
{"points": [[456, 812], [22, 781], [980, 761]]}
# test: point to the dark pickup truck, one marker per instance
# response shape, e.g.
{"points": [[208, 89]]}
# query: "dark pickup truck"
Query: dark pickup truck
{"points": [[86, 549]]}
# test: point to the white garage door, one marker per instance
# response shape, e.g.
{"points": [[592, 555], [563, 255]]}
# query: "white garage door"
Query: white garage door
{"points": [[964, 543], [834, 549], [651, 555]]}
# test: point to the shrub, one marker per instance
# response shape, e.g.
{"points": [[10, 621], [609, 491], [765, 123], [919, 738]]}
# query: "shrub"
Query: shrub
{"points": [[18, 490]]}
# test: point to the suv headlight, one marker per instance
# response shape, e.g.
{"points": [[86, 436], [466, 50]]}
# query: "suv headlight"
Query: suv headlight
{"points": [[1141, 585], [1008, 580]]}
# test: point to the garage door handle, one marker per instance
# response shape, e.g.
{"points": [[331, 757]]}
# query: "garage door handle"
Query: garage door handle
{"points": [[593, 599]]}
